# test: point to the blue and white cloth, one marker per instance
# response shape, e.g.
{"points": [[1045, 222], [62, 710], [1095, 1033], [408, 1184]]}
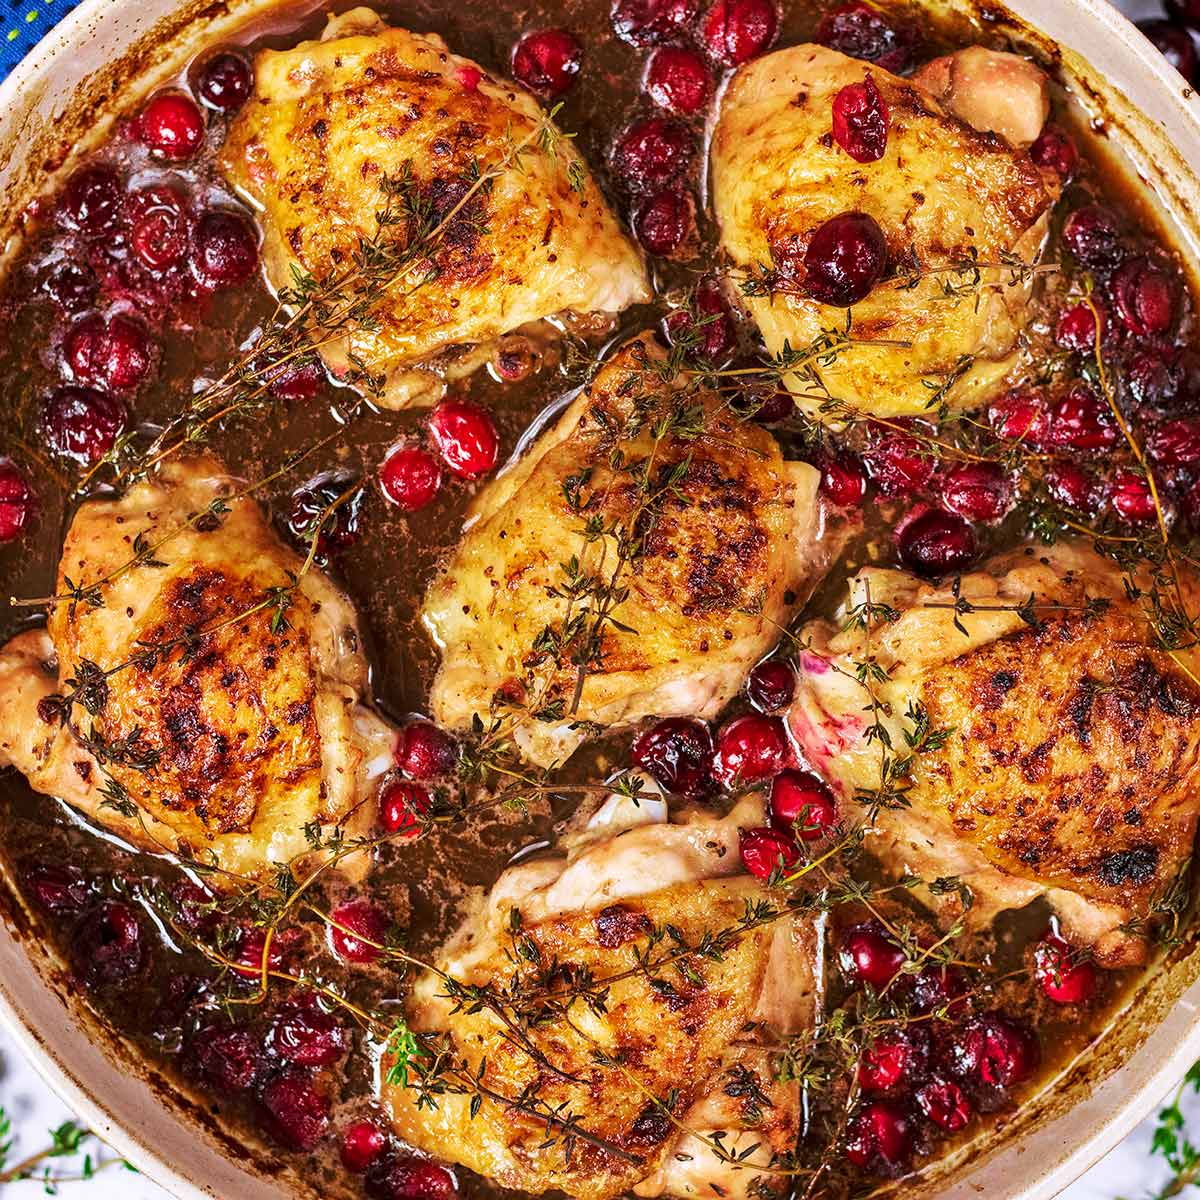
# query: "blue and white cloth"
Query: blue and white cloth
{"points": [[23, 23]]}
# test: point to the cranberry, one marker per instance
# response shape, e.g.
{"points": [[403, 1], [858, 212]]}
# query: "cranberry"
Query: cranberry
{"points": [[936, 543], [1073, 487], [1131, 496], [994, 1050], [648, 22], [1055, 151], [677, 755], [465, 436], [1187, 12], [401, 807], [337, 527], [361, 924], [879, 1133], [765, 851], [845, 259], [802, 805], [944, 1104], [937, 989], [248, 957], [736, 31], [868, 954], [749, 748], [195, 906], [1020, 416], [226, 1057], [410, 477], [979, 491], [893, 1060], [159, 233], [1174, 44], [653, 152], [843, 481], [1177, 443], [400, 1177], [172, 126], [861, 31], [82, 423], [296, 379], [225, 249], [547, 62], [677, 80], [1091, 235], [425, 751], [777, 405], [362, 1143], [114, 354], [108, 947], [57, 887], [16, 501], [860, 121], [1144, 296], [1160, 377], [1064, 980], [72, 286], [292, 1111], [90, 204], [899, 464], [663, 221], [225, 82], [1076, 328], [771, 686], [304, 1033], [709, 317]]}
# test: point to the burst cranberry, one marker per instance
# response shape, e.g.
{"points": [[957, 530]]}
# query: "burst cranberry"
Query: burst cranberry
{"points": [[648, 22], [765, 851], [937, 543], [1055, 151], [362, 1143], [771, 686], [1073, 487], [159, 232], [944, 1104], [1081, 421], [115, 353], [172, 126], [305, 1034], [994, 1051], [547, 62], [653, 152], [845, 259], [677, 80], [898, 463], [861, 31], [330, 506], [736, 31], [82, 423], [1177, 443], [1144, 297], [226, 1057], [1020, 416], [1162, 377], [16, 501], [72, 286], [410, 477], [90, 204], [1131, 496], [401, 807], [1076, 328], [1092, 236], [843, 480], [802, 805], [860, 121], [881, 1135], [709, 317], [195, 906], [358, 924], [57, 887], [1174, 44], [663, 221], [248, 957], [1064, 979], [977, 491], [868, 954], [937, 989], [465, 436], [292, 1111], [224, 249], [677, 755], [401, 1177], [749, 748], [772, 407], [894, 1060], [425, 751], [297, 379], [225, 82], [108, 947]]}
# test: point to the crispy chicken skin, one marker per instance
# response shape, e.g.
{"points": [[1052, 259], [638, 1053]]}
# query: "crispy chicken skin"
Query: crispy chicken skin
{"points": [[330, 119], [1072, 768], [240, 736], [701, 1032], [733, 546], [942, 191]]}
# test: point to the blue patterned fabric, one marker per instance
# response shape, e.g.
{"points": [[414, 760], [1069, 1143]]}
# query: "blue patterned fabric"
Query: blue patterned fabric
{"points": [[23, 23]]}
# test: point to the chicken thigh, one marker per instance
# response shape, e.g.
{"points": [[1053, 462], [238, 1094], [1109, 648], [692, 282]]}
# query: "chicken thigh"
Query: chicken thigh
{"points": [[1071, 757], [204, 700], [639, 559], [495, 224], [956, 205], [688, 1027]]}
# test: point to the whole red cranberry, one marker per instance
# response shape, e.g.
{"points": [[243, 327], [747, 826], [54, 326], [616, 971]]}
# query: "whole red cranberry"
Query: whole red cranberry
{"points": [[1177, 443], [172, 126], [894, 1060], [402, 805], [868, 954], [547, 61], [937, 543], [251, 945], [1055, 151], [652, 153], [362, 1143], [465, 437], [292, 1111], [91, 202], [802, 805], [1020, 415], [195, 906], [1174, 44], [736, 31], [1131, 496], [861, 31], [404, 1177], [944, 1103], [72, 286], [879, 1135], [765, 851], [425, 751], [993, 1050], [771, 686], [843, 480], [225, 82], [1073, 487], [410, 477], [899, 464], [224, 249], [159, 226], [677, 755], [677, 80], [749, 748], [303, 1033], [860, 121], [937, 989], [227, 1057], [108, 948], [1064, 979], [1076, 328], [114, 354], [769, 409], [358, 924], [57, 887], [295, 379], [329, 505], [1144, 296], [649, 22], [710, 320], [1161, 377], [663, 221], [16, 501], [979, 491], [845, 259], [81, 423], [1092, 236]]}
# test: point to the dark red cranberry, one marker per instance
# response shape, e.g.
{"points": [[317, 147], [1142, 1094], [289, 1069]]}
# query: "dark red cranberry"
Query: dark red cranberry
{"points": [[845, 259], [465, 436], [868, 954], [1131, 496], [248, 956], [1160, 377], [305, 1034], [899, 464], [72, 286], [860, 121], [16, 501], [292, 1111], [224, 249], [677, 755], [943, 1103], [894, 1060], [1144, 297], [295, 380], [736, 31], [749, 748], [410, 477], [709, 317], [1187, 12], [225, 82], [994, 1051], [879, 1135], [649, 22], [357, 924], [91, 203], [1174, 44], [802, 805], [81, 423], [677, 80], [425, 751], [195, 906], [1177, 443], [1076, 328], [1073, 487], [57, 887], [770, 408], [330, 506], [861, 31], [771, 686], [114, 354], [937, 543], [937, 989], [172, 126], [1091, 235], [1064, 978], [547, 61], [843, 480], [1055, 151], [653, 152], [226, 1057], [765, 851], [362, 1143], [159, 230], [1020, 416], [979, 491], [403, 1177], [663, 221], [108, 946], [402, 805]]}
